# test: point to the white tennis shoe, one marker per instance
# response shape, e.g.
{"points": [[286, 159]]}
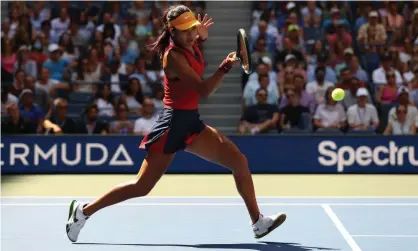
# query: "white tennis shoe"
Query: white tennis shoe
{"points": [[265, 225], [76, 220]]}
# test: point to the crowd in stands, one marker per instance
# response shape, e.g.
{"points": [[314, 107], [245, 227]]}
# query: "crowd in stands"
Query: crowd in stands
{"points": [[302, 51], [82, 66]]}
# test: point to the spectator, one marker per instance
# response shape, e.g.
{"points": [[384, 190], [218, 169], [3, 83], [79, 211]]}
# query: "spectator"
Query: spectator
{"points": [[8, 57], [372, 35], [59, 122], [291, 114], [82, 31], [55, 64], [23, 62], [263, 83], [134, 96], [158, 95], [362, 116], [18, 84], [318, 87], [264, 33], [312, 57], [348, 57], [121, 125], [118, 81], [262, 69], [388, 93], [31, 111], [259, 118], [329, 72], [49, 85], [40, 96], [260, 52], [403, 99], [346, 80], [60, 25], [357, 71], [37, 54], [379, 75], [144, 124], [109, 22], [339, 41], [394, 24], [105, 100], [69, 52], [402, 125], [16, 124], [329, 116], [90, 123], [306, 99], [292, 63], [312, 15]]}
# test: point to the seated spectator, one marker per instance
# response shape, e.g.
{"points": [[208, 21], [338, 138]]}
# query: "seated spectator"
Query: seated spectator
{"points": [[291, 62], [330, 115], [294, 39], [69, 51], [362, 116], [259, 118], [59, 25], [264, 33], [394, 24], [284, 53], [330, 74], [263, 68], [121, 124], [339, 41], [105, 101], [372, 35], [263, 83], [351, 92], [291, 114], [118, 81], [312, 56], [312, 15], [379, 75], [16, 124], [81, 77], [134, 96], [28, 109], [158, 94], [318, 87], [8, 56], [402, 125], [18, 84], [403, 99], [260, 52], [49, 85], [357, 71], [40, 96], [345, 61], [306, 99], [90, 123], [388, 93], [144, 124], [55, 64], [59, 122]]}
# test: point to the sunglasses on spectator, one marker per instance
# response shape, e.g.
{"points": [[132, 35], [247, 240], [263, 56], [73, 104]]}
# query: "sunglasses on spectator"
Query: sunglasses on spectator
{"points": [[402, 111]]}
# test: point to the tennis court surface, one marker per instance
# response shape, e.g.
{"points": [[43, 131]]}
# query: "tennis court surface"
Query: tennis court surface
{"points": [[215, 223]]}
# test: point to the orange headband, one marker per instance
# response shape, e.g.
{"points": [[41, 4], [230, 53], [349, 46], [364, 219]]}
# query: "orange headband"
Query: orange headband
{"points": [[184, 22]]}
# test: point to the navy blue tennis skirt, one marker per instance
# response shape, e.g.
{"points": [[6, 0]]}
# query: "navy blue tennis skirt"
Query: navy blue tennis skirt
{"points": [[173, 131]]}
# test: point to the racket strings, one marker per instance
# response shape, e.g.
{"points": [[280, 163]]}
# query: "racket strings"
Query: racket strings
{"points": [[243, 53]]}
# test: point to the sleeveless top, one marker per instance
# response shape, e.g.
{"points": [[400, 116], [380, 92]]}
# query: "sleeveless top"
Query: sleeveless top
{"points": [[176, 95]]}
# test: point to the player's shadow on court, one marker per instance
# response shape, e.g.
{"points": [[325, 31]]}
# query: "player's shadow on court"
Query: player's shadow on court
{"points": [[259, 246]]}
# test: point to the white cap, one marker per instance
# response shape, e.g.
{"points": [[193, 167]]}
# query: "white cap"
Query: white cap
{"points": [[373, 14], [289, 57], [290, 5], [362, 92], [266, 60], [349, 51], [53, 47], [403, 89]]}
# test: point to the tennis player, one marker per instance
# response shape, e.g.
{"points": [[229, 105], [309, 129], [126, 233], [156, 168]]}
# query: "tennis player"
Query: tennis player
{"points": [[179, 127]]}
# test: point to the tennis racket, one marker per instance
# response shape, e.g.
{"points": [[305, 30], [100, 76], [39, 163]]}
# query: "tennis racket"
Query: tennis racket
{"points": [[243, 51]]}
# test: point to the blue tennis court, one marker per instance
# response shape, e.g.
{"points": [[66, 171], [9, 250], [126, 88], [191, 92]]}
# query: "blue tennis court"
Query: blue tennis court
{"points": [[215, 223]]}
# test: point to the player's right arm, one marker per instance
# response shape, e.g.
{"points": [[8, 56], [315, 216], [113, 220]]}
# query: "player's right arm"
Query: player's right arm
{"points": [[175, 64]]}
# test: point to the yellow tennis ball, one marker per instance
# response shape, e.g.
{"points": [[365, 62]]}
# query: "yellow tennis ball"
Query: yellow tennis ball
{"points": [[338, 94]]}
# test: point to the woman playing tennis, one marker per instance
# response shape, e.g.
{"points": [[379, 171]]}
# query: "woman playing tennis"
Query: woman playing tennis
{"points": [[179, 127]]}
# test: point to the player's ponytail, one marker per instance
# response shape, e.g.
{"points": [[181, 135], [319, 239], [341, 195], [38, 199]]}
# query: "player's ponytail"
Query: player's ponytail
{"points": [[163, 41]]}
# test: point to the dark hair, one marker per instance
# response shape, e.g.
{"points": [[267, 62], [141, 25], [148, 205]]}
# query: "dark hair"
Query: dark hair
{"points": [[261, 76], [164, 39]]}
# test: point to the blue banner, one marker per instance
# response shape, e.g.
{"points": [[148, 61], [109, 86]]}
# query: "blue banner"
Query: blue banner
{"points": [[266, 154]]}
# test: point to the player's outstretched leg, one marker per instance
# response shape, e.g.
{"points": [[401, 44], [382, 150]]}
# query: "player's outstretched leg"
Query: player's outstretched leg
{"points": [[215, 147], [152, 169]]}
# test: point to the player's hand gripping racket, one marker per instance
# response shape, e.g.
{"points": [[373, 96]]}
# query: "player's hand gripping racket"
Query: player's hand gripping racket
{"points": [[243, 51]]}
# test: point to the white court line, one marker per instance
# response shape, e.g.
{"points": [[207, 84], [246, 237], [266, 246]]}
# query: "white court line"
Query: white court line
{"points": [[384, 236], [221, 197], [199, 204], [348, 238]]}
